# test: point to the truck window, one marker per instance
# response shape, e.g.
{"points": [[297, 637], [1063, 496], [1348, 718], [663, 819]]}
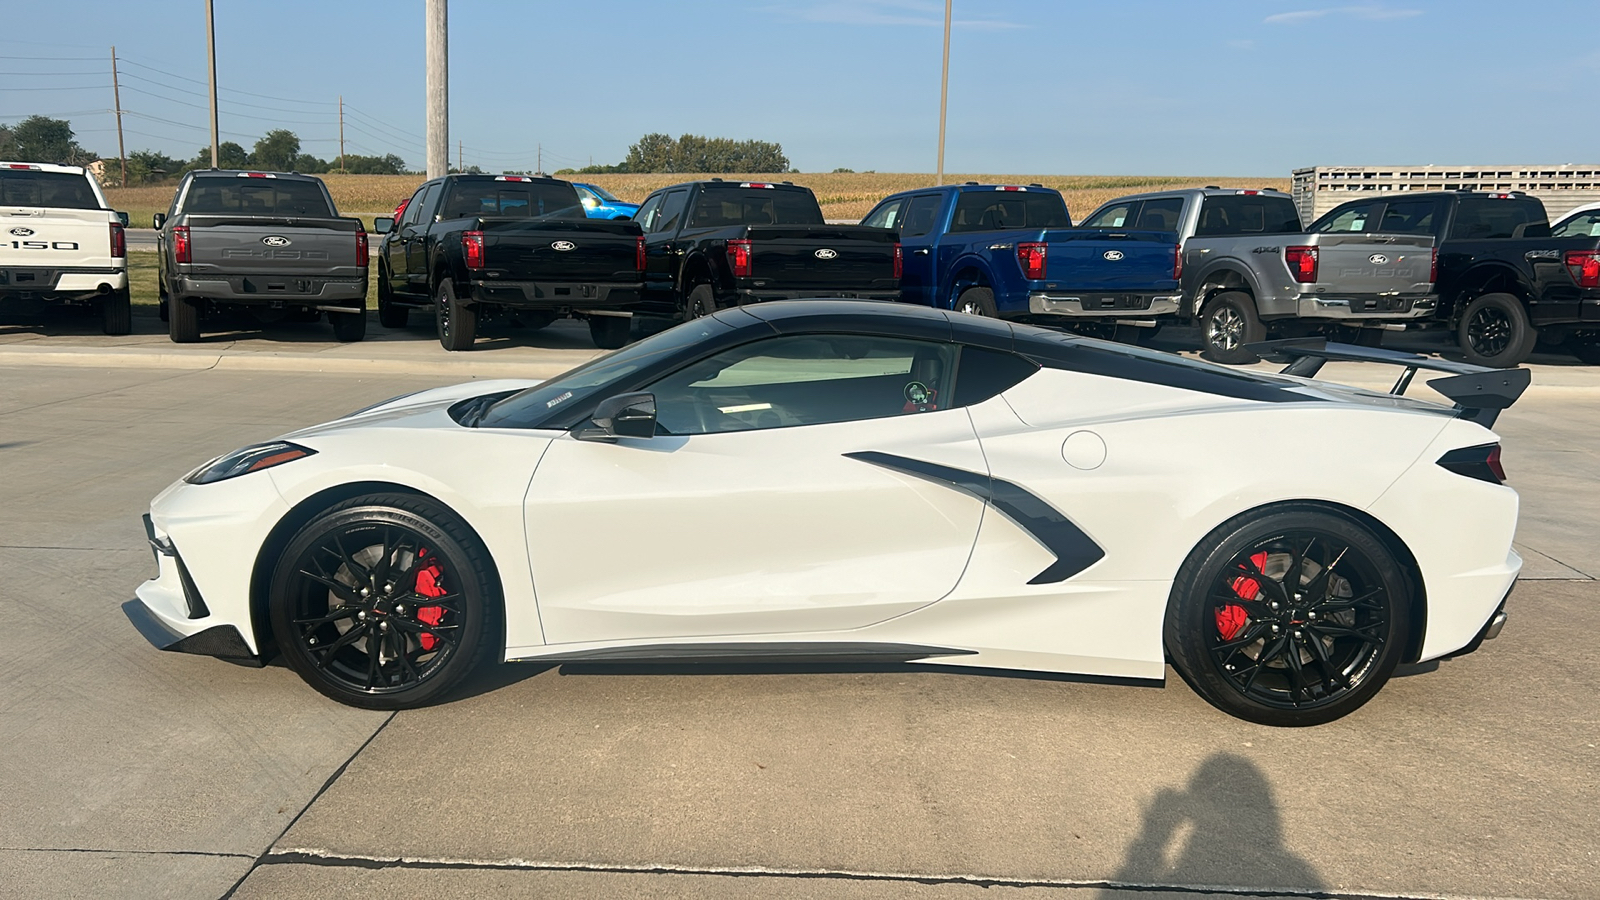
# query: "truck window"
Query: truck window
{"points": [[922, 214], [1116, 216], [1489, 217], [886, 215], [256, 197], [1230, 214], [646, 215], [1407, 217], [720, 206], [1347, 219], [982, 210], [1585, 225], [60, 190], [1160, 215], [511, 199], [414, 208], [671, 213]]}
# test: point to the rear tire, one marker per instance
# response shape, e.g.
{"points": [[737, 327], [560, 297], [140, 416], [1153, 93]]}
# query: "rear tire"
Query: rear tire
{"points": [[457, 322], [1228, 323], [390, 314], [1586, 349], [349, 327], [977, 301], [701, 302], [183, 320], [1494, 331], [116, 313], [610, 332]]}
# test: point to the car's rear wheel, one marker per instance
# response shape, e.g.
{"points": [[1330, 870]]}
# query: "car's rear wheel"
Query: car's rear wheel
{"points": [[384, 602], [116, 312], [457, 322], [183, 320], [702, 301], [1293, 617], [1586, 348], [1494, 331], [349, 327], [609, 332], [1229, 323], [977, 301], [390, 313]]}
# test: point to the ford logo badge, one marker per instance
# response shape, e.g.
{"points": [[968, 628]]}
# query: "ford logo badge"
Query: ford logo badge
{"points": [[22, 232], [563, 246], [1377, 259], [275, 240], [1112, 255], [825, 253]]}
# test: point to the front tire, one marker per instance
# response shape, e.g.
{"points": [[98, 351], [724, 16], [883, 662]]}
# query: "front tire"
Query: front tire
{"points": [[609, 332], [116, 313], [977, 301], [385, 602], [457, 322], [1227, 325], [349, 327], [1494, 331], [183, 320], [1291, 617], [390, 313]]}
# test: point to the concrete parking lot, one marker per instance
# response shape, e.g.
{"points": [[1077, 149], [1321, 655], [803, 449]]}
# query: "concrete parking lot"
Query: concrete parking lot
{"points": [[133, 773]]}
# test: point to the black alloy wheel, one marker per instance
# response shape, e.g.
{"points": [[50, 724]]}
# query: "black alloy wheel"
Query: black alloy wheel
{"points": [[701, 302], [1295, 619], [457, 322], [1494, 331], [384, 602]]}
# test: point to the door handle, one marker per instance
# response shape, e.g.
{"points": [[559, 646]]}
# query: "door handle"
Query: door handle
{"points": [[921, 251]]}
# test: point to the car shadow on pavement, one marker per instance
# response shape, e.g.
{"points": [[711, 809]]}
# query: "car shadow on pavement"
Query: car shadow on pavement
{"points": [[1221, 830]]}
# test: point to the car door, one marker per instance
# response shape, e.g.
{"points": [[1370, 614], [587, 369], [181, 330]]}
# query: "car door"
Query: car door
{"points": [[661, 251], [919, 241], [412, 240], [763, 504]]}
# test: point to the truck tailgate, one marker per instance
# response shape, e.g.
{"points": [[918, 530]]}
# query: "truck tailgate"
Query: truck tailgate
{"points": [[1366, 264], [806, 257], [522, 249], [1097, 259], [231, 245], [52, 238]]}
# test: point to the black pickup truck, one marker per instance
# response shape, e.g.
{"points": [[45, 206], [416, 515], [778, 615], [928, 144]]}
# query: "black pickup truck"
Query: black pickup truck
{"points": [[509, 245], [710, 244], [1503, 281]]}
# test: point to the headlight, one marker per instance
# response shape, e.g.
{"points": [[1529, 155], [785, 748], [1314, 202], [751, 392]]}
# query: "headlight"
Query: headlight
{"points": [[253, 458]]}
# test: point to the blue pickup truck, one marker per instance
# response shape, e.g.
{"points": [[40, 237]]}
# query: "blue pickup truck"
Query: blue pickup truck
{"points": [[1010, 251]]}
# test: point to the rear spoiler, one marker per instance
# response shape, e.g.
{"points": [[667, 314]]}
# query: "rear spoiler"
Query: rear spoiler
{"points": [[1478, 392]]}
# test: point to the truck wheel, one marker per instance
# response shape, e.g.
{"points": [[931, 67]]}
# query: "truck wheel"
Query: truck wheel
{"points": [[701, 302], [1586, 348], [458, 322], [116, 313], [183, 320], [609, 332], [390, 314], [978, 301], [1494, 331], [1228, 323], [349, 327]]}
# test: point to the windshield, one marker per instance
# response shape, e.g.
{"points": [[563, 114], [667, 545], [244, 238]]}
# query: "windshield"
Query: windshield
{"points": [[529, 408], [256, 197], [601, 192], [59, 190]]}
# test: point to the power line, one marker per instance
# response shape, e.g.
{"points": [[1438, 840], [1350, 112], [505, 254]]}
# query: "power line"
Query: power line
{"points": [[45, 74], [56, 58], [230, 90]]}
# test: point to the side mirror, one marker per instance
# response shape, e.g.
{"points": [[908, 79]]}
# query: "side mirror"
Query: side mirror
{"points": [[158, 220], [625, 415], [383, 224], [123, 218]]}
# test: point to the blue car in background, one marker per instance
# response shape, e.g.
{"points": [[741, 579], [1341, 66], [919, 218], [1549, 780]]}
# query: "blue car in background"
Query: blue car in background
{"points": [[600, 203]]}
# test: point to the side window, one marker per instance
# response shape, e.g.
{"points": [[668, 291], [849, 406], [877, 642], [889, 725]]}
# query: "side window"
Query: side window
{"points": [[1114, 216], [1584, 225], [414, 208], [1244, 213], [1493, 217], [886, 215], [921, 214], [1407, 217], [671, 215], [1160, 215], [646, 216], [816, 379], [1346, 219], [983, 373]]}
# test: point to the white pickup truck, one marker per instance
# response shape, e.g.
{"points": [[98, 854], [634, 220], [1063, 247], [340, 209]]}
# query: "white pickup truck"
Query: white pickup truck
{"points": [[60, 241]]}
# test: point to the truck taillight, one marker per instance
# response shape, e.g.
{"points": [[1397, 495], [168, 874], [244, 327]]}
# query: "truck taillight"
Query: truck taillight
{"points": [[361, 249], [638, 253], [739, 258], [1030, 254], [1433, 267], [180, 243], [472, 248], [899, 261], [1177, 263], [1585, 267], [1302, 263], [119, 241]]}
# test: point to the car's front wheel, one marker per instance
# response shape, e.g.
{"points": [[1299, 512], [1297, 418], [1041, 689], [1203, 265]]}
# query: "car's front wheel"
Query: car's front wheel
{"points": [[390, 313], [384, 602], [1290, 617]]}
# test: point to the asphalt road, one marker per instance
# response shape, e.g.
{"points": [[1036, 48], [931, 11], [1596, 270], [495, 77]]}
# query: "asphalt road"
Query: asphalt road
{"points": [[133, 773]]}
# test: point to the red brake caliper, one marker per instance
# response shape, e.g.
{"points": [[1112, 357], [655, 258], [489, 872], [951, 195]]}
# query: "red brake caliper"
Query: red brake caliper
{"points": [[428, 586], [1231, 618]]}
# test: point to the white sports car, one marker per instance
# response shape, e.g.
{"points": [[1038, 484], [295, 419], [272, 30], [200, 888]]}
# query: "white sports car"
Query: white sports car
{"points": [[848, 481]]}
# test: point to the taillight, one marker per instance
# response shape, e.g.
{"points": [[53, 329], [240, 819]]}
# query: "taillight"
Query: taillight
{"points": [[119, 241], [472, 248], [1302, 263], [1030, 255], [638, 254], [1433, 267], [1481, 462], [180, 243], [1177, 263], [361, 249], [899, 261], [739, 258], [1585, 267]]}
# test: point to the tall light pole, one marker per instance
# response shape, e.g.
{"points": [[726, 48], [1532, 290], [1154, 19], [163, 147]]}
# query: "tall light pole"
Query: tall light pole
{"points": [[944, 88], [438, 55], [211, 53]]}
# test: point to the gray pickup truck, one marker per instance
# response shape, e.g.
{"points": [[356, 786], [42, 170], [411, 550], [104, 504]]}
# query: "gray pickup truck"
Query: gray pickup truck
{"points": [[268, 242], [1250, 270]]}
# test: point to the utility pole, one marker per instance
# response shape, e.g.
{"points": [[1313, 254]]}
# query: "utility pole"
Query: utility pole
{"points": [[460, 154], [540, 169], [438, 90], [211, 53], [944, 88], [116, 96], [341, 134]]}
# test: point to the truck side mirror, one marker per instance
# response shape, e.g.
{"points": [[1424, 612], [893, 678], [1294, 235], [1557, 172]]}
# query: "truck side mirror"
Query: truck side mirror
{"points": [[383, 224], [158, 220]]}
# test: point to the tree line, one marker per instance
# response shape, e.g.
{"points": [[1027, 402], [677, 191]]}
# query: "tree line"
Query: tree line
{"points": [[694, 153]]}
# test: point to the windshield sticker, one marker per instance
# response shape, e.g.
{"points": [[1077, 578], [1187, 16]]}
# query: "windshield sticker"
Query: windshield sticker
{"points": [[558, 400]]}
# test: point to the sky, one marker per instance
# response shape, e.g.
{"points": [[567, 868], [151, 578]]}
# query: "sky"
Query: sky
{"points": [[1180, 87]]}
